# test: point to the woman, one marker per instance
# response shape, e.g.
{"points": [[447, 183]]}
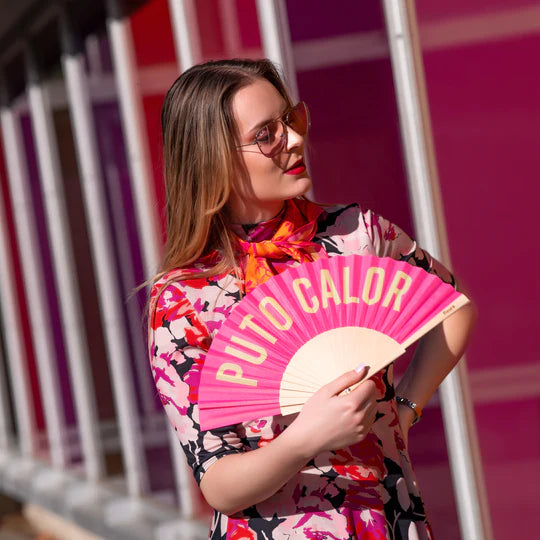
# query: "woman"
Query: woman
{"points": [[234, 152]]}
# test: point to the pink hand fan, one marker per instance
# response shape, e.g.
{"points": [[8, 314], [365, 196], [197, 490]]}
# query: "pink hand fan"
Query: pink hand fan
{"points": [[311, 323]]}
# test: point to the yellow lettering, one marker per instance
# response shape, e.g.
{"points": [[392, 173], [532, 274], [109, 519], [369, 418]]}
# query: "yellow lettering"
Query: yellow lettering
{"points": [[370, 274], [302, 299], [233, 373], [347, 298], [248, 323], [395, 289], [243, 355], [328, 289], [286, 321]]}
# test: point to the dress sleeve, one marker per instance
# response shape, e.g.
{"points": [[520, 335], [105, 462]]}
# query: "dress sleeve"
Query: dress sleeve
{"points": [[389, 240], [178, 342]]}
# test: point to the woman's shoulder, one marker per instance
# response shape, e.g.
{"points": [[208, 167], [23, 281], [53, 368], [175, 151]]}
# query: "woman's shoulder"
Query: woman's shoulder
{"points": [[193, 290], [343, 219], [349, 228], [348, 218]]}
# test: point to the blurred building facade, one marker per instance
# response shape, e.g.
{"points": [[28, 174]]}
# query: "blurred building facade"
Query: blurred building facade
{"points": [[82, 432]]}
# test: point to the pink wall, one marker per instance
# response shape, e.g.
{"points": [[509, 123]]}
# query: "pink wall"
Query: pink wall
{"points": [[484, 93]]}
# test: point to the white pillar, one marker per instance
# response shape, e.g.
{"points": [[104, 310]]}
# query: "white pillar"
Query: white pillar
{"points": [[23, 403], [138, 156], [119, 218], [276, 39], [127, 276], [186, 487], [65, 272], [101, 234], [428, 217], [134, 129], [228, 14], [6, 427], [35, 289], [185, 32]]}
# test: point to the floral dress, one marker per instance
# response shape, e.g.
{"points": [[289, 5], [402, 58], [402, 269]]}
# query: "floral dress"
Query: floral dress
{"points": [[366, 491]]}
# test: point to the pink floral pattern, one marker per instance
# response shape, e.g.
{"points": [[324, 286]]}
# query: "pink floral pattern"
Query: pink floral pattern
{"points": [[366, 491]]}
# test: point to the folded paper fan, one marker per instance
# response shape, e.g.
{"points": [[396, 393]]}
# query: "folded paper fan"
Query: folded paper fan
{"points": [[306, 326]]}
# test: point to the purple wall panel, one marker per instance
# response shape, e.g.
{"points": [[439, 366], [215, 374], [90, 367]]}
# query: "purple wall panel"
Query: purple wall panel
{"points": [[427, 447], [315, 20], [355, 145], [484, 103], [439, 9], [510, 440]]}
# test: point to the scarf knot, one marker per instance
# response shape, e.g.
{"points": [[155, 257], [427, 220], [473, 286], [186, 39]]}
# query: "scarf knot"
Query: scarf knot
{"points": [[293, 239]]}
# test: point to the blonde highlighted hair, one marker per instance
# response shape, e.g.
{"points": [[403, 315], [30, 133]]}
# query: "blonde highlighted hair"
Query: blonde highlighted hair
{"points": [[201, 161]]}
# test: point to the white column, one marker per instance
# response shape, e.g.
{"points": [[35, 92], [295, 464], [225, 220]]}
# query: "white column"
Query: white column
{"points": [[23, 405], [428, 217], [35, 289], [101, 234], [65, 273], [228, 13], [186, 33], [183, 13], [141, 175], [134, 128], [6, 427], [276, 39], [127, 276], [186, 487], [119, 218]]}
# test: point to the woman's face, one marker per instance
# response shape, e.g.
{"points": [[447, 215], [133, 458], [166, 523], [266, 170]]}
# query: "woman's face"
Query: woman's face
{"points": [[270, 180]]}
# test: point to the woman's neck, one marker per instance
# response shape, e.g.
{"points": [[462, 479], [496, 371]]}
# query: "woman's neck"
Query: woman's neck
{"points": [[252, 216]]}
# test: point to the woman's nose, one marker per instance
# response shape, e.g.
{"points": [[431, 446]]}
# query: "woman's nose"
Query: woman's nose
{"points": [[294, 139]]}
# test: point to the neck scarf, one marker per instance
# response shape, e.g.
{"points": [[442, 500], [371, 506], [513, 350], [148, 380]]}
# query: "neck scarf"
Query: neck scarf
{"points": [[292, 239]]}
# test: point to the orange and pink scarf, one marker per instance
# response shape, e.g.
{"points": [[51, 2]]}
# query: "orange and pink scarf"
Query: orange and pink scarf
{"points": [[292, 239]]}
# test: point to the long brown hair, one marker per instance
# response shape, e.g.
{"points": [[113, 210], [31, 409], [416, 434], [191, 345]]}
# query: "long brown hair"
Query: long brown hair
{"points": [[200, 158]]}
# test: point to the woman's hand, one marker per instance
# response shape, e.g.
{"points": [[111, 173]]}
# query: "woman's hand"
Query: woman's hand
{"points": [[329, 420]]}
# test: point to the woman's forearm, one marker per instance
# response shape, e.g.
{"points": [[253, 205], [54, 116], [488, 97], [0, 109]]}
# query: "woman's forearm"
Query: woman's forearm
{"points": [[238, 481], [436, 355]]}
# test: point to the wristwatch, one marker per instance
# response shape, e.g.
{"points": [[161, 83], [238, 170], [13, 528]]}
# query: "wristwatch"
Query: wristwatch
{"points": [[412, 405]]}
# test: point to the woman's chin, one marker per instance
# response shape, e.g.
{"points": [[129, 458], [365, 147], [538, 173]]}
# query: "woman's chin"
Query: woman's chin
{"points": [[304, 185]]}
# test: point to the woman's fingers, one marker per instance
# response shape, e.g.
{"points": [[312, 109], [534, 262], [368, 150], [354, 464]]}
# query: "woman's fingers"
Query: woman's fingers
{"points": [[348, 416], [364, 393], [345, 381]]}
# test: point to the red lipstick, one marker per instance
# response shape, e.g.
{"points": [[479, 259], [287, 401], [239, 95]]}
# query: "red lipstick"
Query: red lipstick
{"points": [[297, 168]]}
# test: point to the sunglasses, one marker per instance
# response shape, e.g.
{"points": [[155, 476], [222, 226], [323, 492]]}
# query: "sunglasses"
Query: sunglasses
{"points": [[272, 138]]}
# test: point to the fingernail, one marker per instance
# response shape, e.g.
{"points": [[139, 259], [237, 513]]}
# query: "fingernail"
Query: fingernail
{"points": [[359, 368]]}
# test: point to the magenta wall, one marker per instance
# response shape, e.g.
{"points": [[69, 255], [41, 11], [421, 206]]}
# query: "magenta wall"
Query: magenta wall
{"points": [[480, 63]]}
